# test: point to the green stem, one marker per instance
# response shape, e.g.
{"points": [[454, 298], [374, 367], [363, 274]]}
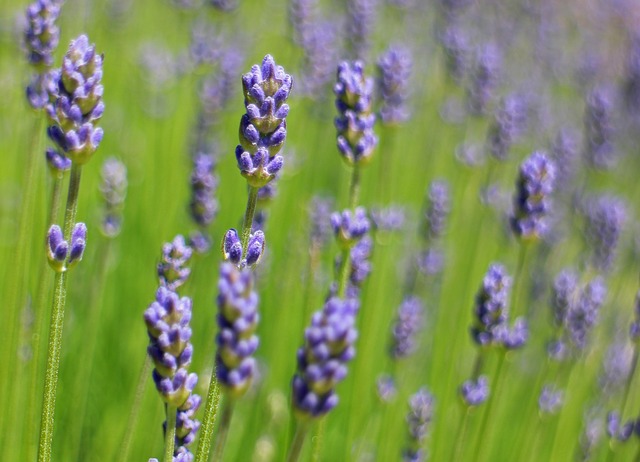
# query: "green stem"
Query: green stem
{"points": [[210, 412], [461, 434], [135, 409], [56, 329], [298, 442], [493, 397], [39, 313], [354, 187], [223, 430], [522, 258], [248, 218], [170, 433], [317, 441]]}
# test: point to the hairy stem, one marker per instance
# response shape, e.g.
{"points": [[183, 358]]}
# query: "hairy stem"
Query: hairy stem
{"points": [[248, 218], [170, 433], [298, 442], [209, 420], [56, 329]]}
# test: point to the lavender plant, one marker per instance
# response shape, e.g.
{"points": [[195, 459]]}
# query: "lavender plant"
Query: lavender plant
{"points": [[394, 68], [77, 108], [605, 218]]}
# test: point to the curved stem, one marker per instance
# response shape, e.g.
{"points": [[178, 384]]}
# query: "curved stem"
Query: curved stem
{"points": [[298, 442], [223, 429], [461, 434], [170, 433], [56, 329], [135, 409], [210, 412], [248, 218]]}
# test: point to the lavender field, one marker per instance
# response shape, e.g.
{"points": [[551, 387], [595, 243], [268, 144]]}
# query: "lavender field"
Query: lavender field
{"points": [[314, 230]]}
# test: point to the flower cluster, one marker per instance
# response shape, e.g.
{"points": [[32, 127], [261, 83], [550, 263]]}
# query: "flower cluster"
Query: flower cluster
{"points": [[168, 324], [361, 19], [349, 227], [484, 79], [409, 322], [78, 104], [41, 37], [532, 201], [455, 44], [172, 269], [232, 248], [114, 190], [322, 361], [203, 205], [509, 122], [491, 324], [356, 139], [237, 323], [475, 392], [437, 210], [394, 68], [606, 216], [598, 126], [418, 420], [263, 128], [61, 254]]}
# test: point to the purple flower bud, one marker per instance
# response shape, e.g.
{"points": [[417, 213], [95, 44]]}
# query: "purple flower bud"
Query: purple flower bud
{"points": [[78, 243], [532, 201], [563, 295], [386, 388], [584, 314], [514, 337], [476, 392], [172, 269], [56, 161], [57, 248], [550, 400], [437, 210], [391, 218], [349, 227], [232, 247], [509, 122], [255, 248]]}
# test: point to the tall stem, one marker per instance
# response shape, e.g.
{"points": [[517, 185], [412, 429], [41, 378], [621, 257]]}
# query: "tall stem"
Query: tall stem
{"points": [[170, 433], [248, 218], [135, 409], [298, 442], [493, 396], [39, 314], [210, 412], [223, 429], [56, 328]]}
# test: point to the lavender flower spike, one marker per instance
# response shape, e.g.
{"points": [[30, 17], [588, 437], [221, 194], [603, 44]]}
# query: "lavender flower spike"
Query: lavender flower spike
{"points": [[475, 392], [606, 217], [168, 324], [394, 67], [114, 190], [322, 361], [263, 129], [438, 208], [41, 38], [78, 106], [532, 201], [356, 139], [491, 306], [237, 322], [409, 321], [583, 316], [172, 269], [203, 205], [418, 419]]}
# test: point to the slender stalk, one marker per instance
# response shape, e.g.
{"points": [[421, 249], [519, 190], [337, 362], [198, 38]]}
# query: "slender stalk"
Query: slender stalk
{"points": [[223, 429], [517, 283], [493, 397], [39, 313], [354, 187], [298, 442], [210, 413], [170, 433], [135, 409], [317, 441], [248, 218], [461, 434], [56, 329]]}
